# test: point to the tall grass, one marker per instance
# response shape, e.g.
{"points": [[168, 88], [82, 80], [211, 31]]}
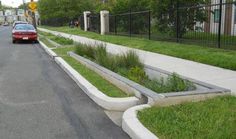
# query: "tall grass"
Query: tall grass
{"points": [[130, 66]]}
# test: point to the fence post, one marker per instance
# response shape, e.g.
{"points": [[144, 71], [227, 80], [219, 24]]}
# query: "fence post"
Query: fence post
{"points": [[86, 20], [130, 24], [149, 24], [177, 21], [220, 23], [104, 17]]}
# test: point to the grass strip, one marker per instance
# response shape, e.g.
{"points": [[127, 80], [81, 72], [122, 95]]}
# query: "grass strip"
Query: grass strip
{"points": [[103, 85], [212, 56], [46, 42], [58, 39], [214, 118]]}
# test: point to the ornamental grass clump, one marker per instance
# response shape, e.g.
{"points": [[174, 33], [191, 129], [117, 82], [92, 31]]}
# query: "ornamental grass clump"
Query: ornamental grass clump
{"points": [[85, 50]]}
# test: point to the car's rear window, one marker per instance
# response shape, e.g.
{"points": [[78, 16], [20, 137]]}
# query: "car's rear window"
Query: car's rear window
{"points": [[24, 27], [20, 23]]}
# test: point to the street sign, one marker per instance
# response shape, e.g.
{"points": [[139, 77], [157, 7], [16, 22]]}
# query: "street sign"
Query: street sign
{"points": [[32, 6]]}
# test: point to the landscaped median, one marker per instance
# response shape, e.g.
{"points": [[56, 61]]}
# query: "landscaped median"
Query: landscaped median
{"points": [[100, 90], [121, 82]]}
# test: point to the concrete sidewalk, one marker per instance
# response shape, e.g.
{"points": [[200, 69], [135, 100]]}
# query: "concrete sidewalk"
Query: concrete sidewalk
{"points": [[213, 75]]}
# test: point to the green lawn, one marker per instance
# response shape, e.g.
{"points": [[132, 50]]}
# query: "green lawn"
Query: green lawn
{"points": [[95, 79], [212, 56], [214, 119]]}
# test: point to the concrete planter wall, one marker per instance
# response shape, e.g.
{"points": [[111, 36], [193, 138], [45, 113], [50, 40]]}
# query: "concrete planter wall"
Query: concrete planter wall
{"points": [[203, 90]]}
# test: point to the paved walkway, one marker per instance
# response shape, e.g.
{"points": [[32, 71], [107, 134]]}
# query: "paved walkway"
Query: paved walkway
{"points": [[213, 75]]}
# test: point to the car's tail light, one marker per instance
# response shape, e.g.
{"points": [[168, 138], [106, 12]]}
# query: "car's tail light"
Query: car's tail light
{"points": [[32, 33], [16, 33]]}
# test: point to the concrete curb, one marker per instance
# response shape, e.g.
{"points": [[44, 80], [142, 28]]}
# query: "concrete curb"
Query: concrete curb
{"points": [[48, 50], [108, 103], [133, 127]]}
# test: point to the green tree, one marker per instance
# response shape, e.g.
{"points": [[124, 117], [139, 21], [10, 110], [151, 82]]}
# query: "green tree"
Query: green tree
{"points": [[49, 9], [165, 13]]}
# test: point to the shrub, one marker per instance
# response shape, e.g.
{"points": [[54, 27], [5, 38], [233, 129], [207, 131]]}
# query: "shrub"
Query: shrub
{"points": [[137, 74], [105, 59], [173, 84], [176, 84], [129, 60]]}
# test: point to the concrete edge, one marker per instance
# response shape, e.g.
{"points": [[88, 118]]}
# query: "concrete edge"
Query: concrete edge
{"points": [[108, 103], [48, 50], [133, 127]]}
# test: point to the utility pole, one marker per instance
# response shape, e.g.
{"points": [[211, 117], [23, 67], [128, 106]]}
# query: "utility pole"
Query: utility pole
{"points": [[25, 10], [34, 18]]}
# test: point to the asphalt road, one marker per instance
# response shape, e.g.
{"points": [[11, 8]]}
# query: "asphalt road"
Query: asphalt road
{"points": [[39, 101]]}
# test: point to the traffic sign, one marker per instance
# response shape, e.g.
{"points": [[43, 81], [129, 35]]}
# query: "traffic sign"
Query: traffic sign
{"points": [[32, 6]]}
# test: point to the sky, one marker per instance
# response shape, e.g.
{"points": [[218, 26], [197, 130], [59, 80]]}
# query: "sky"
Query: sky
{"points": [[13, 3]]}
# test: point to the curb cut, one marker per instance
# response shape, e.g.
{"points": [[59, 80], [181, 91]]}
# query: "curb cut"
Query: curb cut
{"points": [[133, 127], [106, 102]]}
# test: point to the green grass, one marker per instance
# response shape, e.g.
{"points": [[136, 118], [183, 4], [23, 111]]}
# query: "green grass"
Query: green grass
{"points": [[95, 79], [209, 36], [46, 42], [213, 119], [212, 56], [58, 39]]}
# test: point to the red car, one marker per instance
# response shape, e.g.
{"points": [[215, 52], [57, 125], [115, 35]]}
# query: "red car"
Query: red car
{"points": [[24, 32]]}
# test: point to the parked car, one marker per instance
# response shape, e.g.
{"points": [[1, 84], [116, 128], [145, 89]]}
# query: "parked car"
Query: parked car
{"points": [[25, 32], [19, 22]]}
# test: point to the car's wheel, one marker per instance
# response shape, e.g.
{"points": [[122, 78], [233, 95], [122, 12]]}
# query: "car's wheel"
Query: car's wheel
{"points": [[13, 41], [36, 41]]}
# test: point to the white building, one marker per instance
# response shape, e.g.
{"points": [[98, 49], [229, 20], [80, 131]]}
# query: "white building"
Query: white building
{"points": [[228, 18]]}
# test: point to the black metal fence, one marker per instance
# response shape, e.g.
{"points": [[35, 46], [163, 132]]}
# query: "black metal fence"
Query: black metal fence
{"points": [[65, 21], [94, 23], [133, 24], [210, 24]]}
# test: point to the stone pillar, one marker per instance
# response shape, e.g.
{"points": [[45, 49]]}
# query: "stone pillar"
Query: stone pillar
{"points": [[86, 20], [104, 22]]}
